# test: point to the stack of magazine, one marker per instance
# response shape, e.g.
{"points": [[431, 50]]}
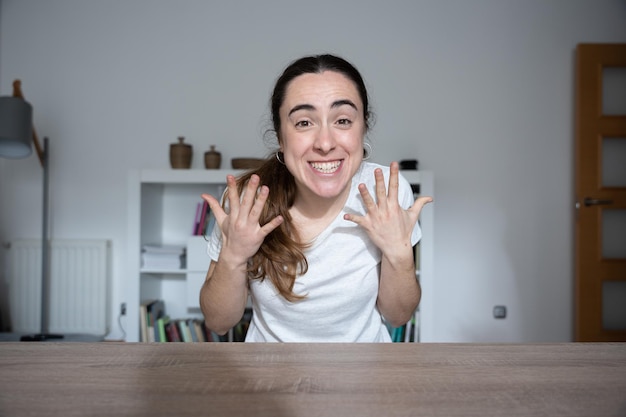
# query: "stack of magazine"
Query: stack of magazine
{"points": [[163, 257]]}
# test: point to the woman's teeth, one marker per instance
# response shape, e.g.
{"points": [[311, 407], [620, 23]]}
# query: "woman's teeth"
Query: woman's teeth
{"points": [[326, 167]]}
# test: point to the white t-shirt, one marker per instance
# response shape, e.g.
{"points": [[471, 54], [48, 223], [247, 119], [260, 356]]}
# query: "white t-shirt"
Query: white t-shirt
{"points": [[341, 284]]}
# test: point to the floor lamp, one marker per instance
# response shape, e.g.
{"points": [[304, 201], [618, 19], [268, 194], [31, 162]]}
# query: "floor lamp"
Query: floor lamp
{"points": [[16, 134]]}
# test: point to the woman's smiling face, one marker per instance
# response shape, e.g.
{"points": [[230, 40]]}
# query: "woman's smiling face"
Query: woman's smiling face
{"points": [[321, 134]]}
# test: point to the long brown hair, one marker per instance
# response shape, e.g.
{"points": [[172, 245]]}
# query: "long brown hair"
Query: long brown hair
{"points": [[281, 255]]}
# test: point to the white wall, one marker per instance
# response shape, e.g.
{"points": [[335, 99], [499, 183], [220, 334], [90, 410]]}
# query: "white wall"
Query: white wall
{"points": [[481, 92]]}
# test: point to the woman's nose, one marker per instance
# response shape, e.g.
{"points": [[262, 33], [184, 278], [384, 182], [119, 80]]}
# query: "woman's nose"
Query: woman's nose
{"points": [[324, 140]]}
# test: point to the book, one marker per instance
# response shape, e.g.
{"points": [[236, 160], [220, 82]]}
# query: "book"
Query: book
{"points": [[408, 332], [182, 325], [155, 310], [160, 335], [199, 328], [241, 329], [144, 319], [171, 330], [192, 330], [203, 218], [397, 333], [196, 221], [188, 335], [217, 338]]}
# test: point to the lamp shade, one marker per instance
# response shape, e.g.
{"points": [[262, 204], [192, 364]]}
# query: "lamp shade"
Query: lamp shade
{"points": [[16, 127]]}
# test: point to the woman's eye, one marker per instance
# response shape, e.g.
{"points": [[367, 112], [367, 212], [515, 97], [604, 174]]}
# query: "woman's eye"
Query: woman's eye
{"points": [[303, 123], [345, 122]]}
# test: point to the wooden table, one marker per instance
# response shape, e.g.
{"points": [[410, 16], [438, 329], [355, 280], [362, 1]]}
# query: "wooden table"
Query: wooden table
{"points": [[238, 379]]}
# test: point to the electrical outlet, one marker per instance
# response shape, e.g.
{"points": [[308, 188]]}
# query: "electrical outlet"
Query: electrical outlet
{"points": [[123, 309], [499, 312]]}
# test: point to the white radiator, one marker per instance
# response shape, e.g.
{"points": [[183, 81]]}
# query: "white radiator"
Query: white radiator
{"points": [[79, 286]]}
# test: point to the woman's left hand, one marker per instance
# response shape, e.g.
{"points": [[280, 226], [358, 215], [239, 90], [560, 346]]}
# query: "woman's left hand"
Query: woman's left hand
{"points": [[386, 222]]}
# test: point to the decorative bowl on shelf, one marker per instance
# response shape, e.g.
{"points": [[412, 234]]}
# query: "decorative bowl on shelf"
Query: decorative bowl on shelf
{"points": [[246, 163]]}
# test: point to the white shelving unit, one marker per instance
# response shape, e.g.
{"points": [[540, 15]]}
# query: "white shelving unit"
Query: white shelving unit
{"points": [[161, 211]]}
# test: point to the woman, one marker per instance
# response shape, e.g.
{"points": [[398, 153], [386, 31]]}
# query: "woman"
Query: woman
{"points": [[313, 236]]}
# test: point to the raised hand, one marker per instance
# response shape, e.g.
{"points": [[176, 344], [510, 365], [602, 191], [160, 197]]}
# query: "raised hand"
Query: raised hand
{"points": [[241, 231], [386, 222]]}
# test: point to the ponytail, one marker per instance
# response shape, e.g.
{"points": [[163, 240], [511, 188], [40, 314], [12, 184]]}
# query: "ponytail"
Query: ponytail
{"points": [[281, 255]]}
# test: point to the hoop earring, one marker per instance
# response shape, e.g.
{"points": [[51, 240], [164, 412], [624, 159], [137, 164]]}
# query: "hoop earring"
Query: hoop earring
{"points": [[278, 154], [367, 151]]}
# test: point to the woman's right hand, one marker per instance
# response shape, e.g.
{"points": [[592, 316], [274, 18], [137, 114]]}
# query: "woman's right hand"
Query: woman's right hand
{"points": [[242, 234]]}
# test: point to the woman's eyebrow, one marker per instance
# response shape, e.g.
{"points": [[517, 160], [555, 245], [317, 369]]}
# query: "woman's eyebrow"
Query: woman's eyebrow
{"points": [[343, 102], [301, 107], [337, 103]]}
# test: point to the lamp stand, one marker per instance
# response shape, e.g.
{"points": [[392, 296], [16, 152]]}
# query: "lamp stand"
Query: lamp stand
{"points": [[45, 257]]}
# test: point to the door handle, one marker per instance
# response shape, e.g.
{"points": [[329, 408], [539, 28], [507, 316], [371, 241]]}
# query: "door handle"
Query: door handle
{"points": [[596, 202]]}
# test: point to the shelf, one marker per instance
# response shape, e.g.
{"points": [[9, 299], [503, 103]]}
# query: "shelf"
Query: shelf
{"points": [[161, 206], [187, 176], [218, 176], [163, 271]]}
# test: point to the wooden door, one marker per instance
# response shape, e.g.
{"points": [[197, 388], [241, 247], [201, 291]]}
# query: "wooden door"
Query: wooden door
{"points": [[600, 176]]}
